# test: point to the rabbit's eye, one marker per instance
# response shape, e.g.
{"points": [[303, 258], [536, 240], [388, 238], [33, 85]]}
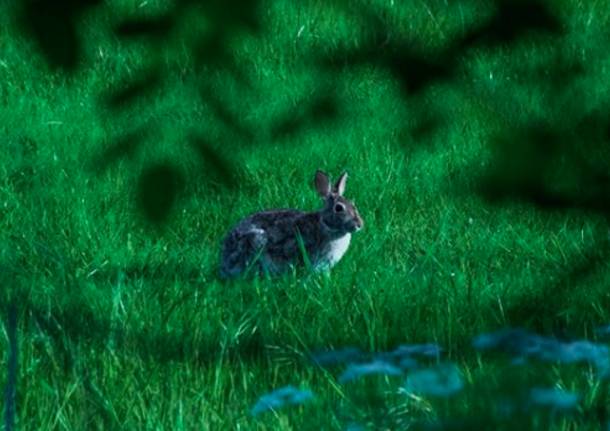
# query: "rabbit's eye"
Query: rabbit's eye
{"points": [[339, 208]]}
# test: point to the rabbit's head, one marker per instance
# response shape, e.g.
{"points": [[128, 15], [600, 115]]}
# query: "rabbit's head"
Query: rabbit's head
{"points": [[339, 215]]}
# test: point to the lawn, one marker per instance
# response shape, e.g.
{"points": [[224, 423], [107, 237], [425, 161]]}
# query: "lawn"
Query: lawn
{"points": [[475, 141]]}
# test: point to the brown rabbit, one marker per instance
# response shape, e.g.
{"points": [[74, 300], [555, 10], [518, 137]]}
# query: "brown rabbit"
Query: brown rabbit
{"points": [[273, 241]]}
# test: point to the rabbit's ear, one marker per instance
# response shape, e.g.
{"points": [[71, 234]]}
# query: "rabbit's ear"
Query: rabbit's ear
{"points": [[322, 184], [340, 185]]}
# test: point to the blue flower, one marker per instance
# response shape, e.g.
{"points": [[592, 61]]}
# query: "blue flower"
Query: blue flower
{"points": [[580, 351], [285, 396], [441, 380], [404, 355], [429, 350], [554, 398], [515, 341], [408, 363], [337, 357], [522, 344], [354, 371]]}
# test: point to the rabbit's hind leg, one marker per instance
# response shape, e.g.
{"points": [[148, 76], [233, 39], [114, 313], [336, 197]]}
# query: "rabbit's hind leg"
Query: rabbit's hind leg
{"points": [[254, 251], [243, 252]]}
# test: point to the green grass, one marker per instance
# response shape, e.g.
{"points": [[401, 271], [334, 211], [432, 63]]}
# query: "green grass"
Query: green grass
{"points": [[126, 325]]}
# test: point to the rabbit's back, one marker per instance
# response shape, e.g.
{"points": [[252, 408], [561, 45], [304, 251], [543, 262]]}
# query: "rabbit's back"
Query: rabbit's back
{"points": [[267, 240]]}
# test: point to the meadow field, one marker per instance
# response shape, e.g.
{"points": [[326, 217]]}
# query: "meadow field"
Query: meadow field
{"points": [[136, 133]]}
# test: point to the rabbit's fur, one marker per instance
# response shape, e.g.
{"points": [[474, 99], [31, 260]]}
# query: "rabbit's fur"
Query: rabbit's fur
{"points": [[273, 241]]}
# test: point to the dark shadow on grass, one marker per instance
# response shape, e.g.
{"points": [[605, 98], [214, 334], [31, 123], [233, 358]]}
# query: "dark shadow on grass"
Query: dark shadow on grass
{"points": [[158, 190], [10, 391], [307, 115], [146, 27], [227, 116], [135, 90], [513, 21], [125, 147], [553, 167], [75, 326], [558, 169], [53, 26], [414, 69], [546, 308], [216, 167]]}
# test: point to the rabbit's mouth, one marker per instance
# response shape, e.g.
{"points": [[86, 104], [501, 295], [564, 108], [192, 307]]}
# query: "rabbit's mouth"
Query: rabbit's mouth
{"points": [[355, 226]]}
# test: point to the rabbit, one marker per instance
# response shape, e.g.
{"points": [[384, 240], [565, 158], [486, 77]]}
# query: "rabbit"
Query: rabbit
{"points": [[276, 240]]}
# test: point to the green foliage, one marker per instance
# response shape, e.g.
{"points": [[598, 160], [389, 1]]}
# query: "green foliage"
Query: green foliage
{"points": [[123, 322]]}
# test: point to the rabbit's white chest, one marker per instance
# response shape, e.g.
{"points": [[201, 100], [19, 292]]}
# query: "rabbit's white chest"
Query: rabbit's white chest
{"points": [[335, 251]]}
